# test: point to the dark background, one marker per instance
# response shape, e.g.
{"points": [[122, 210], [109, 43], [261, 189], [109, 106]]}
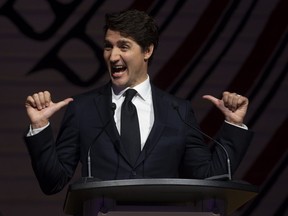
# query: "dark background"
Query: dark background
{"points": [[206, 47]]}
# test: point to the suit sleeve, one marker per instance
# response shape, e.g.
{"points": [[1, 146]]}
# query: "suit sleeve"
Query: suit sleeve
{"points": [[54, 163], [202, 160]]}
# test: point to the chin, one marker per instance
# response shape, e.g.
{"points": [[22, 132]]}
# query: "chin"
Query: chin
{"points": [[119, 83]]}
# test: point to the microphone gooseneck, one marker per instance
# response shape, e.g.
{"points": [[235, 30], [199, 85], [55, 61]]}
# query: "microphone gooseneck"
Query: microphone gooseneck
{"points": [[113, 107], [176, 107]]}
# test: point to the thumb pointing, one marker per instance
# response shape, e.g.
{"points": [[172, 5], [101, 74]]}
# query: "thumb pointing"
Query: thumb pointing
{"points": [[211, 98], [62, 103]]}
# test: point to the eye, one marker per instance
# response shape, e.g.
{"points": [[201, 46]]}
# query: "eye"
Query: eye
{"points": [[107, 46], [124, 47]]}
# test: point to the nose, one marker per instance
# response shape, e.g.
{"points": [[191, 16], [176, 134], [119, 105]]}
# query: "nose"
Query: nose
{"points": [[114, 55]]}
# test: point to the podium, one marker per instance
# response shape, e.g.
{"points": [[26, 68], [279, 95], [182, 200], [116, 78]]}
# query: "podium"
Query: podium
{"points": [[159, 197]]}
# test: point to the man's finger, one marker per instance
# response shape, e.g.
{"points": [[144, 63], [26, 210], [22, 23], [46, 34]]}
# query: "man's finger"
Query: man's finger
{"points": [[37, 101], [30, 102], [62, 103], [41, 99], [211, 98], [47, 98]]}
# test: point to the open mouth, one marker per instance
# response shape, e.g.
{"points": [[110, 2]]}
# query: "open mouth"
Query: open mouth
{"points": [[117, 70]]}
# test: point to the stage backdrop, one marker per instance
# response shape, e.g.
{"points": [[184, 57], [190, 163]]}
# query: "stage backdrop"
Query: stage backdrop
{"points": [[206, 47]]}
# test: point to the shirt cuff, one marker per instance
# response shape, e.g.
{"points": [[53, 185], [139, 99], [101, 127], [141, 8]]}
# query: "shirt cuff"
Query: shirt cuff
{"points": [[35, 131], [243, 126]]}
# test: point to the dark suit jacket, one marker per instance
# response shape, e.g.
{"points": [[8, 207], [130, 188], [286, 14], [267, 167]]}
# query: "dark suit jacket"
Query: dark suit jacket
{"points": [[172, 150]]}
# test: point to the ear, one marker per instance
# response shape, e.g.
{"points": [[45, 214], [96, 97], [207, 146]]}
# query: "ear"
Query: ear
{"points": [[148, 52]]}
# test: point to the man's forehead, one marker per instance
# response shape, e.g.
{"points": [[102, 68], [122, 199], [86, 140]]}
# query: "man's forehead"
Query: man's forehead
{"points": [[118, 37]]}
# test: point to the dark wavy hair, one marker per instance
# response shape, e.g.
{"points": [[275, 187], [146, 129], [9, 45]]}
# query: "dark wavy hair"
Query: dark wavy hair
{"points": [[135, 24]]}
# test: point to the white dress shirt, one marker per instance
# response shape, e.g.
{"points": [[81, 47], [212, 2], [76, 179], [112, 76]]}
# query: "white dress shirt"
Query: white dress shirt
{"points": [[144, 105]]}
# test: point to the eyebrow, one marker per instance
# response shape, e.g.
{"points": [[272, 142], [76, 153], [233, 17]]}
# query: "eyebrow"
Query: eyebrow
{"points": [[121, 41]]}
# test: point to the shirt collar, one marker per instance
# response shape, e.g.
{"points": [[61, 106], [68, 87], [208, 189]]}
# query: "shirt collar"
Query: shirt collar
{"points": [[143, 90]]}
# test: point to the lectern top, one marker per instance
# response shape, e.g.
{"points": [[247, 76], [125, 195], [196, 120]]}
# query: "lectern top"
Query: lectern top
{"points": [[234, 193]]}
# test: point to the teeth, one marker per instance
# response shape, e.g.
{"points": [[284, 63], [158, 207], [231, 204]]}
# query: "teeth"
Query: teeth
{"points": [[117, 66]]}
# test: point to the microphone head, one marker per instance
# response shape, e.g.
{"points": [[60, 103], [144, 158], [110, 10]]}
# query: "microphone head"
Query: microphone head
{"points": [[175, 105], [113, 106]]}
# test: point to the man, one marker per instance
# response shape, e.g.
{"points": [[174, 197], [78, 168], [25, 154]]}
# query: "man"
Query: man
{"points": [[170, 144]]}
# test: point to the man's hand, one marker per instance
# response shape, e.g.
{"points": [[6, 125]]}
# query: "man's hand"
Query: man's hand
{"points": [[40, 108], [232, 105]]}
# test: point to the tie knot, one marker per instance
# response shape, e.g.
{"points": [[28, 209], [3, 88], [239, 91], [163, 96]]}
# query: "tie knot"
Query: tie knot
{"points": [[129, 94]]}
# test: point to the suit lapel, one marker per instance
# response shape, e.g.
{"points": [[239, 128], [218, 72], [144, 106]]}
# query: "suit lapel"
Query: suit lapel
{"points": [[103, 105], [160, 114]]}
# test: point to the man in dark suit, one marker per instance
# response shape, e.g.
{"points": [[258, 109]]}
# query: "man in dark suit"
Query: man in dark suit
{"points": [[170, 144]]}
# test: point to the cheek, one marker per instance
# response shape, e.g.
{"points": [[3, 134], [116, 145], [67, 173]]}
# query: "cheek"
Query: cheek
{"points": [[106, 56], [135, 61]]}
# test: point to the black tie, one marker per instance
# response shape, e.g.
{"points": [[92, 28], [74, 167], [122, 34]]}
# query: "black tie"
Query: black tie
{"points": [[130, 133]]}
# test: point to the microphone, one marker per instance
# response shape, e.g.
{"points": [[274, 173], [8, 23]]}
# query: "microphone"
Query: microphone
{"points": [[219, 177], [113, 107]]}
